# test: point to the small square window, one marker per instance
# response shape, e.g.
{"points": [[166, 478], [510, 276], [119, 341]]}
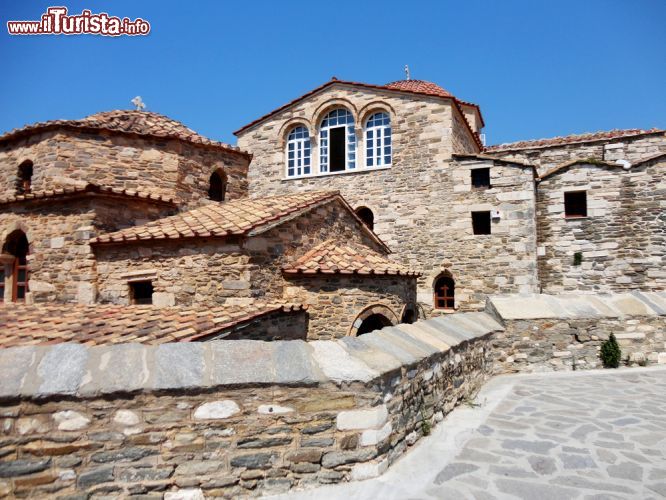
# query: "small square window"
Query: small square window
{"points": [[481, 178], [141, 292], [575, 204], [481, 222]]}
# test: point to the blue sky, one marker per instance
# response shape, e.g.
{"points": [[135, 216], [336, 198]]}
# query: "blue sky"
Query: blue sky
{"points": [[536, 68]]}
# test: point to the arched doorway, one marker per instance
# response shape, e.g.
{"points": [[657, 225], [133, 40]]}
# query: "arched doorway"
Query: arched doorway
{"points": [[16, 269], [373, 318], [372, 323], [366, 215], [217, 186]]}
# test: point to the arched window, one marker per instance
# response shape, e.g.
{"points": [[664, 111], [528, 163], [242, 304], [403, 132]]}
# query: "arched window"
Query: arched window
{"points": [[366, 215], [298, 152], [24, 181], [378, 140], [16, 245], [445, 289], [373, 322], [217, 186], [337, 142]]}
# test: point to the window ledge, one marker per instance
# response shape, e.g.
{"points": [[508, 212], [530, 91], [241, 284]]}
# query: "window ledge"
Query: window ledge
{"points": [[576, 217], [327, 174]]}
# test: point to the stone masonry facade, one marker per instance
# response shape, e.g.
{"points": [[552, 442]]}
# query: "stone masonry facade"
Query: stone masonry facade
{"points": [[422, 202]]}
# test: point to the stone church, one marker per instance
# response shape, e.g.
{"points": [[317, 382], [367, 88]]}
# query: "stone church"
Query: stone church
{"points": [[350, 208]]}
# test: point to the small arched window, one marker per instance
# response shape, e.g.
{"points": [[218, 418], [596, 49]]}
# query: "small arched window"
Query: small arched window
{"points": [[16, 245], [445, 289], [217, 186], [24, 181], [378, 140], [298, 152], [366, 215], [337, 142]]}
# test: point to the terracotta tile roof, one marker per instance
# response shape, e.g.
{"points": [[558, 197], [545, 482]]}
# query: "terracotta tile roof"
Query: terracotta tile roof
{"points": [[113, 324], [572, 139], [429, 90], [419, 87], [243, 217], [92, 189], [330, 258], [127, 122]]}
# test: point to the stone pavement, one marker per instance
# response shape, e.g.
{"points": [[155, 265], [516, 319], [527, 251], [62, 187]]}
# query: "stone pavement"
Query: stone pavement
{"points": [[585, 435]]}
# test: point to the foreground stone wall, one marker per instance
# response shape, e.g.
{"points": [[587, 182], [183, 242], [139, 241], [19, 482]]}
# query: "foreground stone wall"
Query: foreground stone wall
{"points": [[170, 168], [232, 418], [622, 240], [545, 333]]}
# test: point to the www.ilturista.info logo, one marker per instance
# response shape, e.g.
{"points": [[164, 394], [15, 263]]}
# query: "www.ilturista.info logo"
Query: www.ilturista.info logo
{"points": [[56, 22]]}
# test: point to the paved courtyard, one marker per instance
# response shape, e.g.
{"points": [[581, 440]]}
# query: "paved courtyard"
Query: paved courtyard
{"points": [[584, 435]]}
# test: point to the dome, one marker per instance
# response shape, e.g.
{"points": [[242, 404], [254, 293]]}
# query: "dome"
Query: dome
{"points": [[420, 87]]}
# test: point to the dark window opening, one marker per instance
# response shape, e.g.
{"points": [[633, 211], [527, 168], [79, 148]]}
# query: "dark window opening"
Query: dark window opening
{"points": [[575, 204], [372, 323], [336, 139], [481, 222], [409, 316], [217, 187], [445, 291], [2, 282], [578, 258], [481, 178], [24, 183], [141, 292], [17, 245], [366, 215]]}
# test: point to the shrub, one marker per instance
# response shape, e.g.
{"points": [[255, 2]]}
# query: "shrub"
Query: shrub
{"points": [[610, 352]]}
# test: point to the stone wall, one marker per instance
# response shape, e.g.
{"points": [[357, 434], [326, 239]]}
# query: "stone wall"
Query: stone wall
{"points": [[546, 333], [232, 418], [622, 240], [170, 168], [631, 149], [422, 203], [336, 301], [62, 267]]}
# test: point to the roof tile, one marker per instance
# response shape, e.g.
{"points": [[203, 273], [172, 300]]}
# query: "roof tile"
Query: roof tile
{"points": [[129, 122], [572, 139], [331, 258], [22, 324]]}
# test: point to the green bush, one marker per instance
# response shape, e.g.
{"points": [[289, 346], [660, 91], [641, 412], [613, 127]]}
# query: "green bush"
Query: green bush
{"points": [[610, 352]]}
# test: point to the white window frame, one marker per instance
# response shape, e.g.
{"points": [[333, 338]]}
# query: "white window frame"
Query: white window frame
{"points": [[350, 156], [302, 149], [379, 134]]}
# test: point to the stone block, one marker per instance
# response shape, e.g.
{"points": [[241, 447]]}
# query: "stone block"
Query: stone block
{"points": [[371, 418], [216, 410], [116, 368], [360, 472], [69, 420], [185, 494], [294, 363], [374, 358], [15, 363], [179, 365], [236, 362], [126, 418], [61, 369], [336, 363], [273, 410], [372, 437], [23, 467]]}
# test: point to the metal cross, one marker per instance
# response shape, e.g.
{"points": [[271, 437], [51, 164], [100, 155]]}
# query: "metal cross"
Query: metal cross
{"points": [[407, 72], [138, 102]]}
